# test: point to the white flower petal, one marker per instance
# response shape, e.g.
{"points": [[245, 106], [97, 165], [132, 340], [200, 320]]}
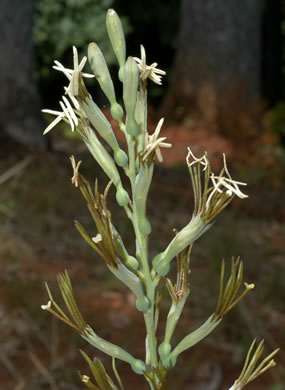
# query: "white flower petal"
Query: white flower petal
{"points": [[54, 123], [47, 306], [97, 238], [65, 110], [70, 110]]}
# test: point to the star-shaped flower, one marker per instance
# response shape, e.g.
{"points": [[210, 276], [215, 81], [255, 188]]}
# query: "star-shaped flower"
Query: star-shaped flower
{"points": [[153, 143], [73, 74], [148, 71]]}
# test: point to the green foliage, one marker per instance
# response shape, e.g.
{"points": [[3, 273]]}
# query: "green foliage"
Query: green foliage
{"points": [[62, 24]]}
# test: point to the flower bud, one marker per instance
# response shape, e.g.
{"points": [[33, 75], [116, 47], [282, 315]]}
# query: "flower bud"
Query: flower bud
{"points": [[130, 90], [116, 111], [104, 128], [141, 188], [191, 232], [164, 349], [122, 196], [169, 361], [101, 71], [138, 366], [157, 259], [117, 38], [121, 158], [141, 119], [132, 263], [142, 303], [132, 127], [162, 268], [144, 226], [102, 157]]}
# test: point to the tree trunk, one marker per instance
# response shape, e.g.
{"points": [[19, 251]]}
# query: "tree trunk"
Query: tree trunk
{"points": [[20, 115], [272, 51], [217, 63]]}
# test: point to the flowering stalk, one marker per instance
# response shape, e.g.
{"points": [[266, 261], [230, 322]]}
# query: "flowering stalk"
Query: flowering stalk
{"points": [[212, 193]]}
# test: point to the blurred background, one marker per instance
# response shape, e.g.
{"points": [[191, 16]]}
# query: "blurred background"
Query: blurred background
{"points": [[224, 92]]}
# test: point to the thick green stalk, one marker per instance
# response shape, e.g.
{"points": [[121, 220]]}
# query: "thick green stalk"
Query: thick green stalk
{"points": [[142, 255]]}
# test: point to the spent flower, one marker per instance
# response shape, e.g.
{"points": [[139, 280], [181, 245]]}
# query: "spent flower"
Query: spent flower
{"points": [[253, 367]]}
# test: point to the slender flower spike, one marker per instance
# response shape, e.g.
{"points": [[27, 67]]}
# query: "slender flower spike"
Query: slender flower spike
{"points": [[252, 367], [149, 71], [153, 143]]}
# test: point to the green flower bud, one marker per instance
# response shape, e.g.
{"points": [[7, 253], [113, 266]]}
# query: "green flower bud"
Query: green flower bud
{"points": [[117, 38], [104, 128], [141, 119], [132, 263], [116, 111], [142, 303], [191, 232], [144, 227], [101, 71], [162, 268], [132, 127], [164, 349], [169, 361], [130, 91], [121, 158], [121, 74], [101, 155], [157, 259], [138, 366], [122, 197]]}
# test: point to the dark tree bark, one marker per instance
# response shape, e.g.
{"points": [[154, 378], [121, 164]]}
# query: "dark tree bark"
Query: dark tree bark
{"points": [[217, 64], [20, 115], [272, 51]]}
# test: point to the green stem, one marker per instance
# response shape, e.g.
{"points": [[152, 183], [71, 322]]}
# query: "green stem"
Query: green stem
{"points": [[142, 249], [142, 255]]}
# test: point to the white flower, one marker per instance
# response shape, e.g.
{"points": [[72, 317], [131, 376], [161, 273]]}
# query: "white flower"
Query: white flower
{"points": [[97, 238], [47, 306], [153, 143], [72, 74], [148, 71], [85, 379], [67, 114]]}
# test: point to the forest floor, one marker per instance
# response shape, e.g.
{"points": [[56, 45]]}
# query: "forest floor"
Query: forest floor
{"points": [[38, 240]]}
